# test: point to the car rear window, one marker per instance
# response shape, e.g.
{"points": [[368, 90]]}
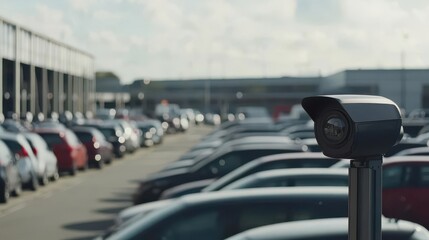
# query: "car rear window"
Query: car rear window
{"points": [[107, 132], [84, 136], [14, 146], [51, 138]]}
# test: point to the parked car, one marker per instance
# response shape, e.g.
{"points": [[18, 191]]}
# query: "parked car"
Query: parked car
{"points": [[132, 140], [332, 229], [46, 159], [26, 161], [14, 126], [10, 180], [295, 177], [146, 134], [403, 145], [418, 151], [277, 161], [70, 152], [158, 136], [218, 143], [216, 216], [186, 188], [193, 157], [139, 211], [49, 124], [113, 134], [406, 188], [98, 150], [216, 165]]}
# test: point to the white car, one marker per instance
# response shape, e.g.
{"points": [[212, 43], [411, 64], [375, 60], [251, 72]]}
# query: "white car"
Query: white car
{"points": [[46, 159]]}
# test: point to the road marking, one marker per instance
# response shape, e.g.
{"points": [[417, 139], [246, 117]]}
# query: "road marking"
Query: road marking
{"points": [[12, 209]]}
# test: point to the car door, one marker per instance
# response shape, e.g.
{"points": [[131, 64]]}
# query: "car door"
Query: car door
{"points": [[23, 163], [398, 182], [10, 164]]}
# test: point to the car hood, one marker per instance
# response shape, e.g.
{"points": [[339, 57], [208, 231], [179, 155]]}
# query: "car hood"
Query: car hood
{"points": [[179, 165], [141, 209], [167, 174]]}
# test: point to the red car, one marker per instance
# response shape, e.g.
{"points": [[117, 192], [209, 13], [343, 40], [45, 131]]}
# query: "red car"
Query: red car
{"points": [[406, 188], [70, 152], [99, 151]]}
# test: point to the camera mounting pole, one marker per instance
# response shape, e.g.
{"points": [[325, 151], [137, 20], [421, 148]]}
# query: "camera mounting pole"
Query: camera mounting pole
{"points": [[362, 128], [365, 188]]}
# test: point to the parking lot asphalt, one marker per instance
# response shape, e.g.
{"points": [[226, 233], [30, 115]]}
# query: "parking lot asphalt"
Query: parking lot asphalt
{"points": [[81, 207]]}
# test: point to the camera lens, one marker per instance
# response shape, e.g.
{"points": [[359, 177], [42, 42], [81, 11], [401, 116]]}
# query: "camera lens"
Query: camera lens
{"points": [[335, 129]]}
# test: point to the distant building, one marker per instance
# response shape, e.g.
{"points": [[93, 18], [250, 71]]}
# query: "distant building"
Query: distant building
{"points": [[41, 75], [109, 91], [409, 88]]}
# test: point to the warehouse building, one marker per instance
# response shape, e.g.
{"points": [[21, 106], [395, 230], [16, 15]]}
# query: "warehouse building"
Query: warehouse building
{"points": [[409, 88], [41, 75]]}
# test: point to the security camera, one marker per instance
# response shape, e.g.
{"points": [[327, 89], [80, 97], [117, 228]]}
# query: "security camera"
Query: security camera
{"points": [[354, 126]]}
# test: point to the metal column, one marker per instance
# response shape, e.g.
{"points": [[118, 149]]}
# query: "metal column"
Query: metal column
{"points": [[70, 93], [17, 89], [365, 186], [32, 92], [60, 92], [45, 100], [56, 93], [81, 94]]}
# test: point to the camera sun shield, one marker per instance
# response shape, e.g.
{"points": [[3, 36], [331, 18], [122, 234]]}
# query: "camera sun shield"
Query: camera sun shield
{"points": [[354, 126]]}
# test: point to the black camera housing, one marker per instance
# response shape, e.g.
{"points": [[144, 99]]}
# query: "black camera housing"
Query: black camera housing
{"points": [[354, 126]]}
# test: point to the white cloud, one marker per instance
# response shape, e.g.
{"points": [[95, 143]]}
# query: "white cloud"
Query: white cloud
{"points": [[109, 41], [50, 22], [188, 38], [104, 15], [82, 5]]}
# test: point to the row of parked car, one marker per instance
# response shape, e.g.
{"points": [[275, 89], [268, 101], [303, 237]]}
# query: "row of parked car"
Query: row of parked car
{"points": [[32, 154], [255, 179]]}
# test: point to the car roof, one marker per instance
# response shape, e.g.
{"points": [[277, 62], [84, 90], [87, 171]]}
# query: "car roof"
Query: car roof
{"points": [[247, 147], [266, 145], [267, 193], [405, 159], [302, 172], [283, 156], [50, 130], [319, 228], [256, 138], [412, 151], [12, 136], [86, 129]]}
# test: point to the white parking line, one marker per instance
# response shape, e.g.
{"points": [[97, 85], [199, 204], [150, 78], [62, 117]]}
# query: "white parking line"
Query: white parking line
{"points": [[12, 209]]}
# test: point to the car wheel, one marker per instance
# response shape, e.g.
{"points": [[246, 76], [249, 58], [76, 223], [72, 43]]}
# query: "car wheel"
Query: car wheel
{"points": [[18, 190], [4, 195], [85, 166], [44, 180], [100, 164], [56, 175], [73, 170], [34, 183]]}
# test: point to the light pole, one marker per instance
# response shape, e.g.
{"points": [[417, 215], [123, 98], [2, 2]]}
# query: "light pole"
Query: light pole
{"points": [[402, 76]]}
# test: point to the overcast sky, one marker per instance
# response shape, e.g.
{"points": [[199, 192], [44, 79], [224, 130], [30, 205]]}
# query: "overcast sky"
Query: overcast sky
{"points": [[171, 39]]}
